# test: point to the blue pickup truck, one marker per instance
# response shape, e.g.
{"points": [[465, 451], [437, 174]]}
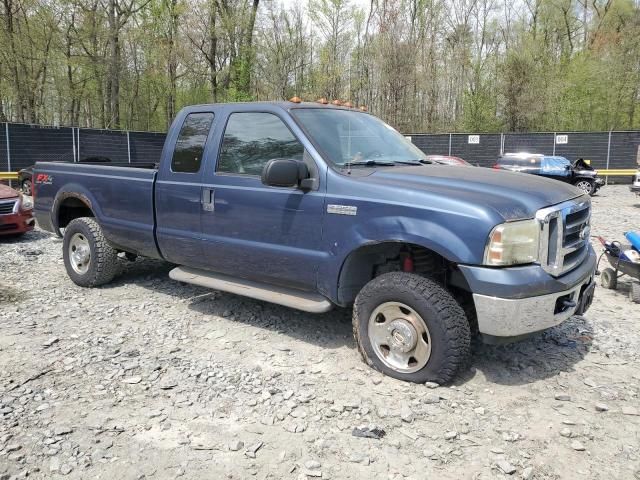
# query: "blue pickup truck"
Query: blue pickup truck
{"points": [[314, 206]]}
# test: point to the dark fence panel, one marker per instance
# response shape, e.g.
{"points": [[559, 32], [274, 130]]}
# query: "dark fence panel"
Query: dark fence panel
{"points": [[4, 164], [625, 150], [103, 143], [591, 146], [528, 142], [436, 144], [146, 146], [29, 144], [484, 153]]}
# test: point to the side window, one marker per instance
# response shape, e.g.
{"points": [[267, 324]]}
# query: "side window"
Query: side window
{"points": [[187, 155], [252, 139]]}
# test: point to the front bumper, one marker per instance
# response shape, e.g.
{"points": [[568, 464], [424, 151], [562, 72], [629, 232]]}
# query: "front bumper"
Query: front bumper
{"points": [[599, 182], [549, 302], [16, 222]]}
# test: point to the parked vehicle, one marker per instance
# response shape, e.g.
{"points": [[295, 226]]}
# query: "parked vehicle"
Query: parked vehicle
{"points": [[25, 175], [16, 212], [635, 186], [312, 206], [580, 173], [448, 160]]}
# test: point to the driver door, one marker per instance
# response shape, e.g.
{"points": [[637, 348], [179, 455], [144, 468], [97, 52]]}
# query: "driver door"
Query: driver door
{"points": [[254, 231]]}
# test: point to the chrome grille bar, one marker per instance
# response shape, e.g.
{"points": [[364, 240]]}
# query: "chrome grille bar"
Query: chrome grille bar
{"points": [[564, 235], [7, 207]]}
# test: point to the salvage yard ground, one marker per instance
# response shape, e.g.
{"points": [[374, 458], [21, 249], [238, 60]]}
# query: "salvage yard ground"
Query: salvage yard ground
{"points": [[149, 378]]}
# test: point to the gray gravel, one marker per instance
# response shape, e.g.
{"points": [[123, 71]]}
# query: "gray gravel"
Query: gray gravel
{"points": [[148, 378]]}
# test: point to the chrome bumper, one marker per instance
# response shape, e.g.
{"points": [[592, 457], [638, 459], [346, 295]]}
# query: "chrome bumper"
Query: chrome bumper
{"points": [[505, 317]]}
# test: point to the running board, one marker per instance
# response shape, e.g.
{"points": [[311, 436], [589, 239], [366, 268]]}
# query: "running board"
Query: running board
{"points": [[299, 300]]}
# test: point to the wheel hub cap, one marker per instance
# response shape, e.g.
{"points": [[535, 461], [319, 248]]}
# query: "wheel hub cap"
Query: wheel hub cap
{"points": [[402, 336], [79, 253], [399, 337]]}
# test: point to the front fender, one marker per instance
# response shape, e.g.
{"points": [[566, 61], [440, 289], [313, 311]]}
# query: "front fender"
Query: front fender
{"points": [[433, 234]]}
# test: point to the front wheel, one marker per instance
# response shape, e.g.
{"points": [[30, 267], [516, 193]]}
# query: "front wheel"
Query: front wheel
{"points": [[608, 279], [89, 259], [411, 328], [586, 185]]}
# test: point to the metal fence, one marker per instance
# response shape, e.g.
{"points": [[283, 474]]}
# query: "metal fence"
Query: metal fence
{"points": [[606, 150], [22, 145]]}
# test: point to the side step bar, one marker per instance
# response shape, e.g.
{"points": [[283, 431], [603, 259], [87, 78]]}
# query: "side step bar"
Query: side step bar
{"points": [[299, 300]]}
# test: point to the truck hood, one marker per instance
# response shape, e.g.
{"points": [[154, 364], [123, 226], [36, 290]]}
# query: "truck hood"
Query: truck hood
{"points": [[513, 196]]}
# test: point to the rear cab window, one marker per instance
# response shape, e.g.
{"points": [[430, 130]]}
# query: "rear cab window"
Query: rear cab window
{"points": [[189, 149]]}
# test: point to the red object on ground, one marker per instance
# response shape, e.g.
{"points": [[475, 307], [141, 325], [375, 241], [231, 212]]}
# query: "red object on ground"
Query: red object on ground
{"points": [[14, 217]]}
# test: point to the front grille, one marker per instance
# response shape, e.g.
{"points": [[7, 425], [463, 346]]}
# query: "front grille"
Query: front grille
{"points": [[564, 238], [7, 207]]}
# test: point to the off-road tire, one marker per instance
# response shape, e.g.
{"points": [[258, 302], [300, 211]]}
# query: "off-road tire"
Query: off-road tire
{"points": [[448, 326], [104, 258], [634, 292], [608, 279], [581, 184]]}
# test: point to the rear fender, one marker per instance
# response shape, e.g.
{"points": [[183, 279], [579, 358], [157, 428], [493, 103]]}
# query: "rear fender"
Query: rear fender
{"points": [[72, 190]]}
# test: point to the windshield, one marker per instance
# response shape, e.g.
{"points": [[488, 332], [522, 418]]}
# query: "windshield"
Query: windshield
{"points": [[349, 137]]}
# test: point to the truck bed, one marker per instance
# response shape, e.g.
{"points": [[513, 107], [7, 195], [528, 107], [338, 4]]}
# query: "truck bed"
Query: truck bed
{"points": [[121, 196]]}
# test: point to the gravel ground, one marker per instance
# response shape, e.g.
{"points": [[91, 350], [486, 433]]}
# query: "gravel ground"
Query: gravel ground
{"points": [[148, 378]]}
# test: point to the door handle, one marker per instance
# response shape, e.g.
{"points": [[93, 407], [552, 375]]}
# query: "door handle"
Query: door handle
{"points": [[208, 199]]}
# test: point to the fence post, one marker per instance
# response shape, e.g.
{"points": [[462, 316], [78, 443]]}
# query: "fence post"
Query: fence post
{"points": [[78, 142], [501, 144], [554, 143], [606, 179], [6, 132], [128, 146], [449, 144], [73, 142]]}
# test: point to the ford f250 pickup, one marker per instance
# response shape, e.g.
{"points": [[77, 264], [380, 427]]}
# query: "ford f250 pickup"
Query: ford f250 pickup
{"points": [[314, 206]]}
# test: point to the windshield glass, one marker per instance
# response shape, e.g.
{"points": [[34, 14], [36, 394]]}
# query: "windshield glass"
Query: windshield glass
{"points": [[350, 137]]}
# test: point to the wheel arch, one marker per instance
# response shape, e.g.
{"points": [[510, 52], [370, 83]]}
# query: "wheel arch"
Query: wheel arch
{"points": [[370, 259], [69, 205]]}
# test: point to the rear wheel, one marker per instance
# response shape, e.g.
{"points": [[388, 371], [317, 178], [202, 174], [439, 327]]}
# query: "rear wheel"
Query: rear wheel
{"points": [[88, 258], [411, 328], [634, 293], [608, 278], [586, 185]]}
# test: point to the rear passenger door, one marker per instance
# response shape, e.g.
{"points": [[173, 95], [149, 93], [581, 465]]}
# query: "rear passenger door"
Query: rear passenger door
{"points": [[178, 190], [255, 231]]}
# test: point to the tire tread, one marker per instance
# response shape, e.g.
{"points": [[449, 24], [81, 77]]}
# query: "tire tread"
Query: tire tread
{"points": [[458, 333]]}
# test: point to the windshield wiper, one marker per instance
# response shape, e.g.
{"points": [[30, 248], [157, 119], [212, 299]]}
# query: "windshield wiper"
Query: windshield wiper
{"points": [[370, 163], [410, 162]]}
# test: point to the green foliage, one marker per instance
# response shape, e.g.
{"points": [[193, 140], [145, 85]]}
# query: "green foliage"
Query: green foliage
{"points": [[422, 65]]}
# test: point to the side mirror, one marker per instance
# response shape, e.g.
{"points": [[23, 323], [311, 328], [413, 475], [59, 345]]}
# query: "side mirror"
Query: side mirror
{"points": [[286, 173]]}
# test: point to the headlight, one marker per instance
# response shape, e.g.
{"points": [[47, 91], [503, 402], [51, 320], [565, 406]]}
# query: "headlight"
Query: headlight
{"points": [[27, 203], [513, 243]]}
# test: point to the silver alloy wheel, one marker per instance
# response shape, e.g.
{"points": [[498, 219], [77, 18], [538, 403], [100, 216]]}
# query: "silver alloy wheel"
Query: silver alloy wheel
{"points": [[399, 337], [79, 253], [584, 185]]}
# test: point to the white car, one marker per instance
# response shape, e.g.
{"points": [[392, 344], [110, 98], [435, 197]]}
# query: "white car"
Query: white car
{"points": [[635, 187]]}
